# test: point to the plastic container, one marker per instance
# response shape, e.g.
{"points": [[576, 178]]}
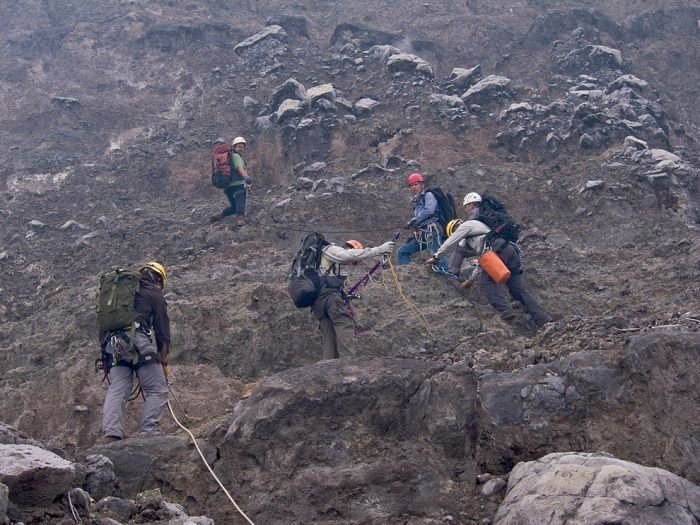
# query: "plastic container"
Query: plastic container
{"points": [[494, 267]]}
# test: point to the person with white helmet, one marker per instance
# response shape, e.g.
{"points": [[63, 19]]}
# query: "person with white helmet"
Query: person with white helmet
{"points": [[146, 357], [236, 191], [468, 240]]}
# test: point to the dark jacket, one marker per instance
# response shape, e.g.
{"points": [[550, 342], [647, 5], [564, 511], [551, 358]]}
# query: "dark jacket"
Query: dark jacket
{"points": [[152, 311]]}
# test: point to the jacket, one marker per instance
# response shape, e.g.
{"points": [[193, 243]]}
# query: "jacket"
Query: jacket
{"points": [[426, 209], [474, 233], [152, 312]]}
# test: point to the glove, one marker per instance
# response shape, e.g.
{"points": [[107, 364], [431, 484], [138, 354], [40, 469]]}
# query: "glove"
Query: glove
{"points": [[410, 225], [247, 180], [387, 247], [433, 260]]}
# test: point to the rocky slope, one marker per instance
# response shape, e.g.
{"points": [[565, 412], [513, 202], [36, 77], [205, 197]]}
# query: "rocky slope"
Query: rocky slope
{"points": [[581, 118]]}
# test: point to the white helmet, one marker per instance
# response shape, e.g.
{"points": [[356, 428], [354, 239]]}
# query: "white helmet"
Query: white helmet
{"points": [[471, 197], [238, 140]]}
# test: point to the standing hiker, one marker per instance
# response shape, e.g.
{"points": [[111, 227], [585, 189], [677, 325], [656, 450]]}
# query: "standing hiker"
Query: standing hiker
{"points": [[236, 180], [141, 350], [470, 239], [425, 223]]}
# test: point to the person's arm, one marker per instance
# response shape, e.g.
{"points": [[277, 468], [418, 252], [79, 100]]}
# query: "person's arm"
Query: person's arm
{"points": [[339, 255], [464, 230]]}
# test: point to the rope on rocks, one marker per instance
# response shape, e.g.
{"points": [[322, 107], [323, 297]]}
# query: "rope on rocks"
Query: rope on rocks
{"points": [[411, 306], [206, 464]]}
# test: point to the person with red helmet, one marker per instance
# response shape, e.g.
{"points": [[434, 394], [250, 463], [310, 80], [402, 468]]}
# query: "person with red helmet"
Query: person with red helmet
{"points": [[425, 222]]}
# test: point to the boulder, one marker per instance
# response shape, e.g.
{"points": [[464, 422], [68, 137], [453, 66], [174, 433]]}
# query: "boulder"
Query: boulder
{"points": [[271, 32], [365, 105], [490, 87], [289, 89], [324, 91], [409, 63], [395, 432], [289, 108], [596, 488], [34, 476], [463, 78]]}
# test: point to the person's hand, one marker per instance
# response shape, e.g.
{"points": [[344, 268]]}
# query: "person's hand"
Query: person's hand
{"points": [[387, 247], [247, 180], [433, 260]]}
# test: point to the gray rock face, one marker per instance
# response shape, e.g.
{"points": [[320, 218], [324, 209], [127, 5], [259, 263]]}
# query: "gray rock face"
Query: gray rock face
{"points": [[100, 480], [593, 489], [387, 431], [34, 476], [462, 78], [4, 499]]}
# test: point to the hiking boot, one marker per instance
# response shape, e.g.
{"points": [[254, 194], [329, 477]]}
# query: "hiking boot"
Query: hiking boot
{"points": [[106, 440], [216, 218]]}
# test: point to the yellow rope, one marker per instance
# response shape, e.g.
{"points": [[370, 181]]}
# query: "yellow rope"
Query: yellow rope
{"points": [[412, 306]]}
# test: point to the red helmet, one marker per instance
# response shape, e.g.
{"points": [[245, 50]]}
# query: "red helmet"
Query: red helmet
{"points": [[415, 177]]}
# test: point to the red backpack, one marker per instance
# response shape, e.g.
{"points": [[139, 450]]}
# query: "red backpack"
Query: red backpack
{"points": [[221, 166]]}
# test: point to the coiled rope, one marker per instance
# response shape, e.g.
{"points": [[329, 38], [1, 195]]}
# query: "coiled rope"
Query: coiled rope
{"points": [[206, 464]]}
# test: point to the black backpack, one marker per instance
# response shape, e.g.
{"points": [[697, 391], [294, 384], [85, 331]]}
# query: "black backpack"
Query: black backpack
{"points": [[445, 206], [304, 282], [493, 213]]}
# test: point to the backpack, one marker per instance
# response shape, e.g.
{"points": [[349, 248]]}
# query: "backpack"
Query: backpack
{"points": [[445, 206], [493, 213], [115, 300], [304, 282], [221, 166]]}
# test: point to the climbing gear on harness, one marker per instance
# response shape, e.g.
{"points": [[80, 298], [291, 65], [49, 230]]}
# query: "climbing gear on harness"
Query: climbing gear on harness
{"points": [[452, 226], [426, 236], [158, 268]]}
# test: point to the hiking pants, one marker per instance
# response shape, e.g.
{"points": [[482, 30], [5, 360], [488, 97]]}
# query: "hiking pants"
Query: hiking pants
{"points": [[456, 258], [155, 391], [337, 327], [516, 286], [236, 197], [412, 246]]}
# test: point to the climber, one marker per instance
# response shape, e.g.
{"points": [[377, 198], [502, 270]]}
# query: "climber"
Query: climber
{"points": [[236, 190], [425, 222], [332, 307], [140, 358], [469, 239]]}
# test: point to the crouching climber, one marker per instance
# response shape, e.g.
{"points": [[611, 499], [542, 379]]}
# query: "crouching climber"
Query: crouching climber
{"points": [[316, 281], [469, 239], [139, 350]]}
